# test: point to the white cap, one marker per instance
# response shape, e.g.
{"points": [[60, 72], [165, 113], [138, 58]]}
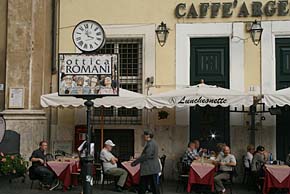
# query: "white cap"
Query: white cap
{"points": [[109, 142]]}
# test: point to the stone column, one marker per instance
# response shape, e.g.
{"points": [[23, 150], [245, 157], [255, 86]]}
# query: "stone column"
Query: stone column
{"points": [[3, 24], [28, 66]]}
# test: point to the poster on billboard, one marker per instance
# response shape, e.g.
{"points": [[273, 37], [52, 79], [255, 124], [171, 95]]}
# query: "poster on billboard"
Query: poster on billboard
{"points": [[88, 75]]}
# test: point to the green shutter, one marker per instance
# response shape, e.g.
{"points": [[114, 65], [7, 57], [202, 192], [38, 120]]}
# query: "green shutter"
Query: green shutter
{"points": [[283, 81]]}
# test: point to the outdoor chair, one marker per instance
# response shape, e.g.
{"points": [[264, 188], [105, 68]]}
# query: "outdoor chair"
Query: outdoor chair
{"points": [[106, 177], [247, 173], [98, 168], [32, 177], [162, 160], [49, 157], [259, 177], [182, 176], [228, 183]]}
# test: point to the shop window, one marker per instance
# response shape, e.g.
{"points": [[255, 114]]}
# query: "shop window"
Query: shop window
{"points": [[130, 53]]}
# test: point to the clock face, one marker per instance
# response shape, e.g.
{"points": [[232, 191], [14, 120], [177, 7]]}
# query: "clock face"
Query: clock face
{"points": [[88, 36]]}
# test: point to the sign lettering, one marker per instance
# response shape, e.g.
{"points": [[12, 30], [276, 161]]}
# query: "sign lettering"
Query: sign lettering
{"points": [[254, 9]]}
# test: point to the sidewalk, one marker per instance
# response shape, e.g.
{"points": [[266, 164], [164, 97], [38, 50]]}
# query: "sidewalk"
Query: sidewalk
{"points": [[17, 187]]}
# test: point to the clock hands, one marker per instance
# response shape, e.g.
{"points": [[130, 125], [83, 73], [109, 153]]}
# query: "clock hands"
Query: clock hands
{"points": [[88, 35]]}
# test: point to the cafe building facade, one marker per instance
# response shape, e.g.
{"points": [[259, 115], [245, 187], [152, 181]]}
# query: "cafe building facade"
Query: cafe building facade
{"points": [[209, 40]]}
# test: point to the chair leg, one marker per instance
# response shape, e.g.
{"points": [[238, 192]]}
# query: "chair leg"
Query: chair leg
{"points": [[244, 179], [31, 184], [103, 183], [177, 186]]}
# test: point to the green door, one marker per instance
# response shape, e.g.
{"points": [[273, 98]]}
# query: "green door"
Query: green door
{"points": [[209, 60], [283, 81]]}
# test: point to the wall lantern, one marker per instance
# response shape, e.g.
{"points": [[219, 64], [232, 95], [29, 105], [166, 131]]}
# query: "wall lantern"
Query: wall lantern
{"points": [[162, 33], [256, 31]]}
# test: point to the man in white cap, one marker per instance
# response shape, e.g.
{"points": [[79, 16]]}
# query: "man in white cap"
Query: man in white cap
{"points": [[110, 165]]}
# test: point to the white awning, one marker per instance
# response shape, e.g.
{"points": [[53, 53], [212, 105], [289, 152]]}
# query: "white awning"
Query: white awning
{"points": [[201, 95], [125, 99], [277, 98]]}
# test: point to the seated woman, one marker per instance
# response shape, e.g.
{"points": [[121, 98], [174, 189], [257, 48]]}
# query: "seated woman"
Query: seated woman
{"points": [[258, 163], [249, 156], [259, 160]]}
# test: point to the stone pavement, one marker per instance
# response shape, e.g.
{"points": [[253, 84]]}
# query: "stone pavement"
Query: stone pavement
{"points": [[17, 187]]}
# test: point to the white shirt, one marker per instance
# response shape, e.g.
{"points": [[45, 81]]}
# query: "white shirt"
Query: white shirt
{"points": [[226, 159], [106, 157], [82, 150], [248, 159]]}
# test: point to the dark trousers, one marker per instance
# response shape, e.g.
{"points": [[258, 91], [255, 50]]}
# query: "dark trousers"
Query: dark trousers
{"points": [[44, 175], [149, 180]]}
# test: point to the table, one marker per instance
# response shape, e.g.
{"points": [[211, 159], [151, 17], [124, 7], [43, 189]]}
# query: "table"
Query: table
{"points": [[63, 171], [276, 177], [133, 173], [201, 173]]}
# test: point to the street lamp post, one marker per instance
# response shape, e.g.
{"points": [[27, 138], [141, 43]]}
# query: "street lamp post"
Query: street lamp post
{"points": [[88, 162]]}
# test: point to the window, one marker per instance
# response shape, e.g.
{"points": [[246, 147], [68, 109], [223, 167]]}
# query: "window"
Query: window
{"points": [[130, 76]]}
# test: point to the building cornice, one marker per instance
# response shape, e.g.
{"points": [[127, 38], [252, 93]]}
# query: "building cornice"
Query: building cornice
{"points": [[23, 114]]}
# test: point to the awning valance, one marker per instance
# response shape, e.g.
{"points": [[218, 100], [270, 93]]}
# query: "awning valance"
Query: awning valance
{"points": [[125, 99], [277, 98], [201, 95]]}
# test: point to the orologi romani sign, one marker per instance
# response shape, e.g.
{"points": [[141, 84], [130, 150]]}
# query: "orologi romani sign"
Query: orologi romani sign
{"points": [[213, 9]]}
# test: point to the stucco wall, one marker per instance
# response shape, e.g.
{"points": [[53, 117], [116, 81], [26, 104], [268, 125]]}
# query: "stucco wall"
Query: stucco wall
{"points": [[28, 66]]}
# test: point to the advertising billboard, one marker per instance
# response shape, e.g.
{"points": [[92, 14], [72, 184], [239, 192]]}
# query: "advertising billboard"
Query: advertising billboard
{"points": [[88, 75]]}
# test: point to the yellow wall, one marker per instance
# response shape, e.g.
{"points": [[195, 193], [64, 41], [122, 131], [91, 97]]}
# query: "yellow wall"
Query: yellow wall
{"points": [[153, 12]]}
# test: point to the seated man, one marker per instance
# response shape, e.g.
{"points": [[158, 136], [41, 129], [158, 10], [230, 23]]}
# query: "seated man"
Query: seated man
{"points": [[110, 165], [38, 159], [189, 155], [226, 162], [288, 160]]}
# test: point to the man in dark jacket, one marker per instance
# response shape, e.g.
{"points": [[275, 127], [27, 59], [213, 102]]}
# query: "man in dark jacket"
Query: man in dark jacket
{"points": [[38, 168], [149, 164]]}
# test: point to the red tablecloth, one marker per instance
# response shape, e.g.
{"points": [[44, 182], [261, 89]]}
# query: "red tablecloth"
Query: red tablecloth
{"points": [[272, 179], [207, 178], [133, 174], [63, 171]]}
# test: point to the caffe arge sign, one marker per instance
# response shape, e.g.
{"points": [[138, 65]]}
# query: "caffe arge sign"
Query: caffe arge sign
{"points": [[227, 9]]}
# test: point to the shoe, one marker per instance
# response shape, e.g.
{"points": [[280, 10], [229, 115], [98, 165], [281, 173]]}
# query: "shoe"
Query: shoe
{"points": [[55, 186], [119, 189]]}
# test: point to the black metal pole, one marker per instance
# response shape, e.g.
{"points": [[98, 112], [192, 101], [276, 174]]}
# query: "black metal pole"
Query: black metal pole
{"points": [[253, 125], [88, 182]]}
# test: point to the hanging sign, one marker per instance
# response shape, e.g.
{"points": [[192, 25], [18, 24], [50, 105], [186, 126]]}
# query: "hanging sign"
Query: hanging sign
{"points": [[88, 75]]}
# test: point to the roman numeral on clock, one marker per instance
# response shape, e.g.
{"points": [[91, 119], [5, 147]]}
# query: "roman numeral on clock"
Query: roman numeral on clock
{"points": [[80, 43]]}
